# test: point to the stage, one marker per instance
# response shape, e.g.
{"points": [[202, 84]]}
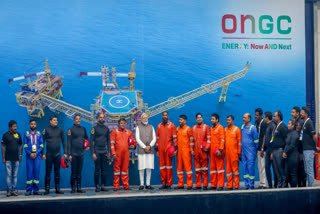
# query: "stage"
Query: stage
{"points": [[289, 200]]}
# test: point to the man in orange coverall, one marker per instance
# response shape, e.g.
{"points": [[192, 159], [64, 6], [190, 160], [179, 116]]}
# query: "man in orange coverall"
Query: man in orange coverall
{"points": [[166, 135], [201, 134], [120, 154], [216, 157], [185, 150], [233, 153]]}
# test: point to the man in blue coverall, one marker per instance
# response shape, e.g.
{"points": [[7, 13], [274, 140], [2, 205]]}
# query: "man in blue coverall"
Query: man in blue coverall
{"points": [[33, 145], [250, 143]]}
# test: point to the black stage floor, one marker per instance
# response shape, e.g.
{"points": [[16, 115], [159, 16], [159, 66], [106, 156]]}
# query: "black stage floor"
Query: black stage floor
{"points": [[289, 200]]}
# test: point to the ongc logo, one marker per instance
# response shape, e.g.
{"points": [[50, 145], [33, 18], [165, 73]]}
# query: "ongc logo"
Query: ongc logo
{"points": [[268, 29]]}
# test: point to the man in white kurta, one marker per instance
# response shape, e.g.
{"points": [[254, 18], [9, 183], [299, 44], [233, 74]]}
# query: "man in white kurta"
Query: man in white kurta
{"points": [[146, 139]]}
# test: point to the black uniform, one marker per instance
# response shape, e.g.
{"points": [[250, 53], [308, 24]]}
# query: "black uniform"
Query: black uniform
{"points": [[52, 137], [75, 137], [279, 136], [268, 149], [292, 151], [100, 146]]}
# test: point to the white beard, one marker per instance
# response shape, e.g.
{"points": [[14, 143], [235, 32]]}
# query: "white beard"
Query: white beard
{"points": [[145, 123]]}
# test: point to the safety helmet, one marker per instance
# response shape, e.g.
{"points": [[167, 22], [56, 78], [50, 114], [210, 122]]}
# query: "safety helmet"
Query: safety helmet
{"points": [[65, 163], [203, 145], [86, 144], [171, 151], [131, 141]]}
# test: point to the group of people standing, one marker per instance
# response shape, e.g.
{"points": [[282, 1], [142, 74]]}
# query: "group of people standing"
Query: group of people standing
{"points": [[289, 150]]}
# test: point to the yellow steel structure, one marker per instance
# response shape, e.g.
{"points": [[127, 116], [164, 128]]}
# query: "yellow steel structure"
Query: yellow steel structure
{"points": [[132, 76], [178, 101], [66, 108]]}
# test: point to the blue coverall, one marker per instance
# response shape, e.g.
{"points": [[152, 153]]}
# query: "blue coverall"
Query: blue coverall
{"points": [[33, 143], [250, 141]]}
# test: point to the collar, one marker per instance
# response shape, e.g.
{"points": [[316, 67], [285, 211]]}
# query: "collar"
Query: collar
{"points": [[247, 125], [200, 125], [218, 124], [120, 130]]}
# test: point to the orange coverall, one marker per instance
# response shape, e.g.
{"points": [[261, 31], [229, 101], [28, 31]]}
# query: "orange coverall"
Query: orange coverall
{"points": [[217, 163], [120, 147], [201, 133], [166, 134], [233, 148], [184, 159]]}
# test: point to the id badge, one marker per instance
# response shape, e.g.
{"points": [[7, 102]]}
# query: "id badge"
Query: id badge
{"points": [[300, 138], [271, 139], [34, 148]]}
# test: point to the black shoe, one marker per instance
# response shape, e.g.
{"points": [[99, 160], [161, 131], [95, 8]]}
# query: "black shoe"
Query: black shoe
{"points": [[264, 187], [164, 186], [246, 188], [190, 188], [128, 188], [47, 190], [27, 194], [79, 190], [220, 189], [36, 193], [8, 194], [58, 191], [115, 189], [177, 187], [73, 189], [168, 187], [98, 188], [213, 188], [141, 187], [149, 187], [197, 188], [260, 187], [205, 188], [229, 189], [103, 188]]}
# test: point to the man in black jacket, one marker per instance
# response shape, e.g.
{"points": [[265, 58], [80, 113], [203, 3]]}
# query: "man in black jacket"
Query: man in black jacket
{"points": [[76, 136], [291, 154], [100, 150], [278, 138], [53, 135]]}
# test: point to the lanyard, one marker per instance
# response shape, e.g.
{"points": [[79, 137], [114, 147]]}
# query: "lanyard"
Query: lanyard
{"points": [[274, 131], [304, 125], [260, 127], [33, 139]]}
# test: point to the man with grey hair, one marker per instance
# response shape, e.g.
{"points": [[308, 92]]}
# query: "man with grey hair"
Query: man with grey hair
{"points": [[146, 139]]}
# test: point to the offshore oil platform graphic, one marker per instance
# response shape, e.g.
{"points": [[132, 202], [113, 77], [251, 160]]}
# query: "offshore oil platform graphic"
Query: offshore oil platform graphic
{"points": [[114, 102]]}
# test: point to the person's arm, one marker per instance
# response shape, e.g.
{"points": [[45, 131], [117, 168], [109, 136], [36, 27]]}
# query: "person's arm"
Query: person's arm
{"points": [[221, 138], [113, 142], [20, 143], [289, 145], [153, 138], [238, 134], [69, 138], [174, 136], [25, 145], [191, 141], [40, 144], [44, 137], [2, 151], [92, 141], [140, 143], [255, 137], [157, 138], [108, 141], [64, 144], [208, 137]]}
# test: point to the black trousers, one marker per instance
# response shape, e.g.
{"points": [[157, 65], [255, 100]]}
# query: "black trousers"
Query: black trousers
{"points": [[268, 171], [76, 169], [279, 165], [292, 168], [302, 178], [100, 165], [52, 159]]}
